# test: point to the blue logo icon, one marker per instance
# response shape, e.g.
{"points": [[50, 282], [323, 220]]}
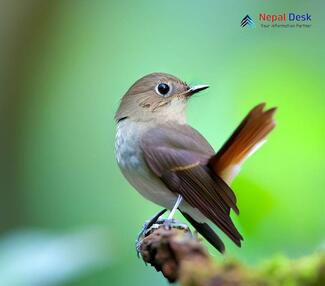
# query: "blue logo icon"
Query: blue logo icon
{"points": [[247, 21]]}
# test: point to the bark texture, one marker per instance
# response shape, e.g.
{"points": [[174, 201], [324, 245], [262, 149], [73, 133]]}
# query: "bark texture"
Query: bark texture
{"points": [[181, 257]]}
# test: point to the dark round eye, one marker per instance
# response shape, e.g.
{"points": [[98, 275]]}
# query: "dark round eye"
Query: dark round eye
{"points": [[163, 88]]}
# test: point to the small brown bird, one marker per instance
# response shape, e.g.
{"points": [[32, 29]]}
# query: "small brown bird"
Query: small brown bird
{"points": [[172, 164]]}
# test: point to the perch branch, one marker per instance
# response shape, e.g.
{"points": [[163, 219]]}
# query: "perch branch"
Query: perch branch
{"points": [[181, 257]]}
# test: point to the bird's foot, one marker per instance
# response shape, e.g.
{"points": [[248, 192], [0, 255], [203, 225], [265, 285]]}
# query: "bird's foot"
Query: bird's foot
{"points": [[168, 223], [147, 225], [156, 223], [172, 223]]}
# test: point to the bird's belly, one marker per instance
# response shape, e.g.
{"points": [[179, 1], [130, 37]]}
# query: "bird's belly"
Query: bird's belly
{"points": [[151, 188], [154, 190], [131, 162]]}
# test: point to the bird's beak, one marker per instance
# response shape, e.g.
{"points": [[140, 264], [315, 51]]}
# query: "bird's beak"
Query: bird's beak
{"points": [[195, 89]]}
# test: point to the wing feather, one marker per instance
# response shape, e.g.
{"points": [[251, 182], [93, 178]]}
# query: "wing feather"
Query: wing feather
{"points": [[180, 160]]}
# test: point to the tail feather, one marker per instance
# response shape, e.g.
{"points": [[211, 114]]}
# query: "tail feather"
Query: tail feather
{"points": [[246, 139]]}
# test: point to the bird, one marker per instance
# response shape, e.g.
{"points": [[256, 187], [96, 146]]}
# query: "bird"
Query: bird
{"points": [[171, 164]]}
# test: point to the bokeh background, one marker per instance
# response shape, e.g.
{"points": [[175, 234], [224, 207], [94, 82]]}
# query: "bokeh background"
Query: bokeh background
{"points": [[67, 216]]}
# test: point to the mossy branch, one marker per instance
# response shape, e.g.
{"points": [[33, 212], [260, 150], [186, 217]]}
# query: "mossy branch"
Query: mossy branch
{"points": [[181, 257]]}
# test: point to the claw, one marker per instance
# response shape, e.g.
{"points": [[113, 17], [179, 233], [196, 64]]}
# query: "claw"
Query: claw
{"points": [[160, 222], [168, 223], [147, 225]]}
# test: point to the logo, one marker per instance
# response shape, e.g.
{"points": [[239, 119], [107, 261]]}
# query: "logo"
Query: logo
{"points": [[285, 17], [285, 20], [247, 21], [280, 20]]}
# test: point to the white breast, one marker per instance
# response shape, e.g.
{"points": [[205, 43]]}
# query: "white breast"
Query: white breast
{"points": [[131, 162]]}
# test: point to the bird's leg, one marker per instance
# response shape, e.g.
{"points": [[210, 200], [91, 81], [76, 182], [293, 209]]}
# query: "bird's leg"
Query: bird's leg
{"points": [[146, 226], [170, 218], [156, 219], [172, 212]]}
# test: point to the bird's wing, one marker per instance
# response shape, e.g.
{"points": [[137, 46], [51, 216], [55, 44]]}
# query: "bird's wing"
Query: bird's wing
{"points": [[178, 155]]}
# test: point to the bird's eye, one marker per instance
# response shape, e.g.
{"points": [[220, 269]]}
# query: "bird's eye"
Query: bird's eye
{"points": [[163, 89]]}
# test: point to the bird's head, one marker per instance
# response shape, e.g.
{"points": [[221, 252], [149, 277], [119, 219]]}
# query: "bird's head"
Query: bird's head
{"points": [[157, 96]]}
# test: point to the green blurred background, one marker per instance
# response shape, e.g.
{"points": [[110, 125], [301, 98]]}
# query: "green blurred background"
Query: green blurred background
{"points": [[64, 67]]}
